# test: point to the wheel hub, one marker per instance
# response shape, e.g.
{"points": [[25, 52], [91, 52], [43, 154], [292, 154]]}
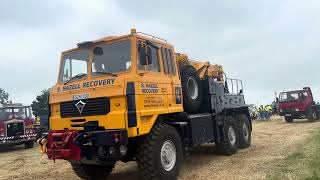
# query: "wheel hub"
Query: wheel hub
{"points": [[168, 155], [245, 131], [193, 89], [232, 136], [314, 115]]}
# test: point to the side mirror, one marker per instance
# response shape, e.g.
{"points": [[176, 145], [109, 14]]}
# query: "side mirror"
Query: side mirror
{"points": [[145, 55], [142, 54], [149, 55]]}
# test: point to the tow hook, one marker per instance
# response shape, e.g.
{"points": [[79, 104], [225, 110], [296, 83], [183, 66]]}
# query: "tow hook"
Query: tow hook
{"points": [[43, 144]]}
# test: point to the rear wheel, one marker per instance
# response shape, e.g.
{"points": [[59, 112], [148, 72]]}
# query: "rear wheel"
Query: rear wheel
{"points": [[230, 141], [89, 171], [29, 144], [288, 119], [159, 154], [244, 131], [312, 115], [191, 88]]}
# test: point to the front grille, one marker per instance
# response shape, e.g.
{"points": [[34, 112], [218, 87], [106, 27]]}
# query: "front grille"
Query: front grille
{"points": [[15, 129], [92, 107], [289, 109]]}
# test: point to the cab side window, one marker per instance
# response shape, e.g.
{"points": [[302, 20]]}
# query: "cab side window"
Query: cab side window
{"points": [[155, 60], [154, 67], [168, 61]]}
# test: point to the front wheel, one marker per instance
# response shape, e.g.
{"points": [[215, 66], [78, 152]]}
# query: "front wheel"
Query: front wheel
{"points": [[312, 115], [89, 171], [230, 140], [159, 154], [288, 119]]}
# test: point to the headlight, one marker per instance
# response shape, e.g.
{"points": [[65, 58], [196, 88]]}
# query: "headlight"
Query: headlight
{"points": [[29, 131], [297, 109], [280, 110]]}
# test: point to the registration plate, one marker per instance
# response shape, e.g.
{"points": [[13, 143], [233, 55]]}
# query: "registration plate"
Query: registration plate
{"points": [[81, 96], [287, 115]]}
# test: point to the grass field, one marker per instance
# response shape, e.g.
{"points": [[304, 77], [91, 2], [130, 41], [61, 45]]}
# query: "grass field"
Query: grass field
{"points": [[279, 150], [302, 163]]}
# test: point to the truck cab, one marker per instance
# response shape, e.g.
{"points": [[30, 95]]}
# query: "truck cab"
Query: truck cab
{"points": [[105, 81], [298, 104], [16, 125]]}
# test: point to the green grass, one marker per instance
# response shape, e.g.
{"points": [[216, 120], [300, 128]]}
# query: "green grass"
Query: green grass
{"points": [[302, 163]]}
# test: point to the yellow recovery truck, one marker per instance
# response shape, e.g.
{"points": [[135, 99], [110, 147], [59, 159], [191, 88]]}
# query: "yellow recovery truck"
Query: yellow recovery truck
{"points": [[132, 98]]}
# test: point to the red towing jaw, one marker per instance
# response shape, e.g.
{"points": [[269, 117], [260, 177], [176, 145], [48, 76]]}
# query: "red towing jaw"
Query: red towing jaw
{"points": [[61, 146]]}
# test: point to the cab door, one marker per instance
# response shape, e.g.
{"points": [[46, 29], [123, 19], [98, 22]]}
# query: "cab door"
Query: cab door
{"points": [[153, 85]]}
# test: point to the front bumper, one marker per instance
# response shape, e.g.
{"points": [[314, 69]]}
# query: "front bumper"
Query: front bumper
{"points": [[293, 114], [75, 146], [13, 140]]}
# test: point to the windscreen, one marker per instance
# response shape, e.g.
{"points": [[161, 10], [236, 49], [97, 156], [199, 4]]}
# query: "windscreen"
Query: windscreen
{"points": [[74, 64], [293, 96], [111, 58], [15, 113]]}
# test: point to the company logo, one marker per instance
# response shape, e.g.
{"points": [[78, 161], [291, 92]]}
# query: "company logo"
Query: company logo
{"points": [[80, 105]]}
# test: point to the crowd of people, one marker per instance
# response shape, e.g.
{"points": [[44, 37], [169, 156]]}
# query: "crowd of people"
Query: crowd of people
{"points": [[263, 112]]}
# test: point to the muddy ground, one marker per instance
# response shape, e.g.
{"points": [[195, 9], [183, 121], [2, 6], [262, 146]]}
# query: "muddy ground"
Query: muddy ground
{"points": [[271, 141]]}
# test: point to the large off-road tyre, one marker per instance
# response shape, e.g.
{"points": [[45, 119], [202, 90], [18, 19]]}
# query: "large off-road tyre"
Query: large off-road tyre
{"points": [[159, 154], [191, 88], [230, 140], [312, 115], [288, 119], [91, 172], [29, 144], [244, 130]]}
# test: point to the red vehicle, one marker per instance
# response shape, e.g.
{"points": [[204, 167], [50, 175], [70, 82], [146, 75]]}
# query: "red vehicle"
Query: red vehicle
{"points": [[16, 125], [298, 104]]}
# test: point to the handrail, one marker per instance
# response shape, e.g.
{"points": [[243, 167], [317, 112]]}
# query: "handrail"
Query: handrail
{"points": [[153, 37], [236, 84]]}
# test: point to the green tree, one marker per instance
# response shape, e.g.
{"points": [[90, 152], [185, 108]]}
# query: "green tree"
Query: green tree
{"points": [[4, 96], [40, 105]]}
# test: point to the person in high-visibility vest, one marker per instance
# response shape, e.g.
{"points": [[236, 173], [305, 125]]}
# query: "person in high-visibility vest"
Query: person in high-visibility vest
{"points": [[261, 112]]}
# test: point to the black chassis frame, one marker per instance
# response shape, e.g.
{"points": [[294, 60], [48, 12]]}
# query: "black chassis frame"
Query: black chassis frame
{"points": [[206, 127]]}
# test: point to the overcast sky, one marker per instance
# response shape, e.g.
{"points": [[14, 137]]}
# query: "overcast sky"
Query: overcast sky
{"points": [[270, 44]]}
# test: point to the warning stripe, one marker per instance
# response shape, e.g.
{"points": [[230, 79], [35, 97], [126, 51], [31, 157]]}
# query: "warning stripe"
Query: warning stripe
{"points": [[21, 136]]}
